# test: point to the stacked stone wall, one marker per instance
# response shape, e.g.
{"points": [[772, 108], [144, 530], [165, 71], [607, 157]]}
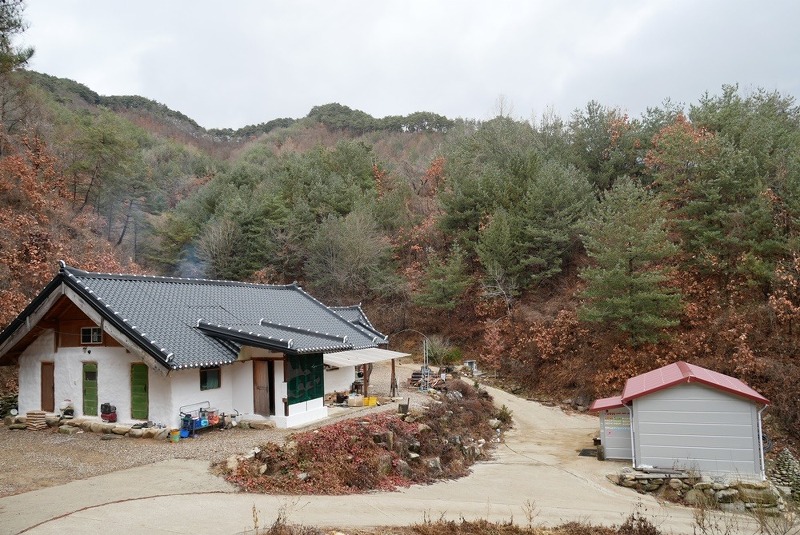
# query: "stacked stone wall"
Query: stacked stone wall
{"points": [[111, 430], [726, 494]]}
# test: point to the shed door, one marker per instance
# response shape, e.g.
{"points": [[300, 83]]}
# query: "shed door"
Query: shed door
{"points": [[48, 387], [139, 396], [263, 377], [615, 425], [90, 388]]}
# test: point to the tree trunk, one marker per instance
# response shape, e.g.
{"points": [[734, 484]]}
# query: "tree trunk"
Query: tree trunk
{"points": [[125, 225]]}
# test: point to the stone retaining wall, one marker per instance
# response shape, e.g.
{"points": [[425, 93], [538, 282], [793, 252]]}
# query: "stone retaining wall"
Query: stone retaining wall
{"points": [[76, 425], [691, 489], [91, 425]]}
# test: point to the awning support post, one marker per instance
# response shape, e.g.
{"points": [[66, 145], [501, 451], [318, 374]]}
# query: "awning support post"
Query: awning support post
{"points": [[393, 386]]}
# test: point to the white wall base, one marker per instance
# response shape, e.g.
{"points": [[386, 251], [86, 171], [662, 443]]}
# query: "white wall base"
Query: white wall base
{"points": [[301, 418]]}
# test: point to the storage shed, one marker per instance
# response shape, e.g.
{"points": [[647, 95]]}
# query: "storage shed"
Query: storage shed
{"points": [[685, 417]]}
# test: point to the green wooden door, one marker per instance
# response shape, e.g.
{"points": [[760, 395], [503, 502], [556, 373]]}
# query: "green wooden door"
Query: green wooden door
{"points": [[139, 398], [90, 388]]}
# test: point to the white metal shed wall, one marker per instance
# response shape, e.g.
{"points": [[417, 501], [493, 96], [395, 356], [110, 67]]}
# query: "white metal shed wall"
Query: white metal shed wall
{"points": [[694, 427]]}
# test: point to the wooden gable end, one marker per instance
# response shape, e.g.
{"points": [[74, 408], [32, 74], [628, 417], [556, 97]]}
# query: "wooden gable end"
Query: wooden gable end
{"points": [[66, 320], [69, 323]]}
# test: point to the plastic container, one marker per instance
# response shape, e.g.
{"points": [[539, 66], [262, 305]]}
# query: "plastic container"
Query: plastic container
{"points": [[371, 401], [175, 435], [213, 416]]}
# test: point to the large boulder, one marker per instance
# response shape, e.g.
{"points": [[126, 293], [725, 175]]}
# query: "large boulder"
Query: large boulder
{"points": [[726, 495], [403, 468], [764, 496], [434, 466]]}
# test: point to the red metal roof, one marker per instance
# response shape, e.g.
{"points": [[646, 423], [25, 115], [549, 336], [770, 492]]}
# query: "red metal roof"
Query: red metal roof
{"points": [[683, 372], [614, 402]]}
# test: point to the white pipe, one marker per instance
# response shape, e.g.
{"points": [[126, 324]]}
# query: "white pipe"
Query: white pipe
{"points": [[761, 445], [633, 444]]}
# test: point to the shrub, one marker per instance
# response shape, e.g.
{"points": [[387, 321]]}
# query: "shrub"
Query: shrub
{"points": [[504, 414]]}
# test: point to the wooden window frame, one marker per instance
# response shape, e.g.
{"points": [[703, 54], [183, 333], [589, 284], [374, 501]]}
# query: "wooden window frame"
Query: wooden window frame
{"points": [[204, 377], [91, 332]]}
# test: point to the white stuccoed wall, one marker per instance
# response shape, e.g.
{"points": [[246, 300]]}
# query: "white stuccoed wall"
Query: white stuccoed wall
{"points": [[30, 378], [339, 380], [303, 413], [160, 399], [186, 392], [167, 394], [113, 375], [242, 385]]}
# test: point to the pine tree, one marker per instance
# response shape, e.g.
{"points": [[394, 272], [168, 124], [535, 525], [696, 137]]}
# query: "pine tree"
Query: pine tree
{"points": [[552, 210], [11, 25], [504, 260], [626, 288], [444, 282]]}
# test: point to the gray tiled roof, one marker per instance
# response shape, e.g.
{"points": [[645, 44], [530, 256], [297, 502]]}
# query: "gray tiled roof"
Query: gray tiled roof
{"points": [[196, 322], [352, 313], [355, 315]]}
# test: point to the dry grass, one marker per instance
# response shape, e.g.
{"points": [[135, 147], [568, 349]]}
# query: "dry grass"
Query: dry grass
{"points": [[633, 525]]}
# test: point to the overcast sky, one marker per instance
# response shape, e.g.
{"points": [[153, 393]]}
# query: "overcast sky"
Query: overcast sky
{"points": [[230, 64]]}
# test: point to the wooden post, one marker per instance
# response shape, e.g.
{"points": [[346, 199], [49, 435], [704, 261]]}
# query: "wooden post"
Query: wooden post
{"points": [[393, 386], [366, 379]]}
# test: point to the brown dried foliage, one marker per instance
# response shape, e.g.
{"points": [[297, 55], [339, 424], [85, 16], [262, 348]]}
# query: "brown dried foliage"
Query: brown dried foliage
{"points": [[355, 456], [39, 227]]}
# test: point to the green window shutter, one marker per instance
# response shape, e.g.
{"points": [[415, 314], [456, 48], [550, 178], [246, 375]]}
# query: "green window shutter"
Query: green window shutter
{"points": [[305, 380], [90, 388], [317, 376], [139, 395]]}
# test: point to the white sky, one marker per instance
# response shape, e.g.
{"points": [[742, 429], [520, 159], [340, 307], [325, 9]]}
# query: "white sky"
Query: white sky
{"points": [[230, 64]]}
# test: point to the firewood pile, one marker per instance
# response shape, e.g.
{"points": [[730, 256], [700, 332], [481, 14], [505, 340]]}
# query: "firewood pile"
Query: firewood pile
{"points": [[35, 420]]}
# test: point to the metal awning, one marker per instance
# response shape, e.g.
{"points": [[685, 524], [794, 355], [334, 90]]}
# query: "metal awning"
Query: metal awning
{"points": [[357, 357]]}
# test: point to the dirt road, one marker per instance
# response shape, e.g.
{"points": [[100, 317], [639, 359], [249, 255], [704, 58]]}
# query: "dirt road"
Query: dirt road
{"points": [[537, 469]]}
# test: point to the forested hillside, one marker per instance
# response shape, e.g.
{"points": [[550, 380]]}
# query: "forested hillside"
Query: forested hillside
{"points": [[566, 253]]}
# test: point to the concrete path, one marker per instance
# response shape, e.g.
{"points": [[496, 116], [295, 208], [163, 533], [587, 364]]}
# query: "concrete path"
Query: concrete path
{"points": [[537, 468]]}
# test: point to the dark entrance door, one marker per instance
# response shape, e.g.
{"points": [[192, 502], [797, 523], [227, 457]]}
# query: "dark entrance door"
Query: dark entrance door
{"points": [[263, 377], [48, 387]]}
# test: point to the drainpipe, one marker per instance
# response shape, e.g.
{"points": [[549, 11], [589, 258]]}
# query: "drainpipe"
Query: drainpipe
{"points": [[633, 446], [761, 444]]}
